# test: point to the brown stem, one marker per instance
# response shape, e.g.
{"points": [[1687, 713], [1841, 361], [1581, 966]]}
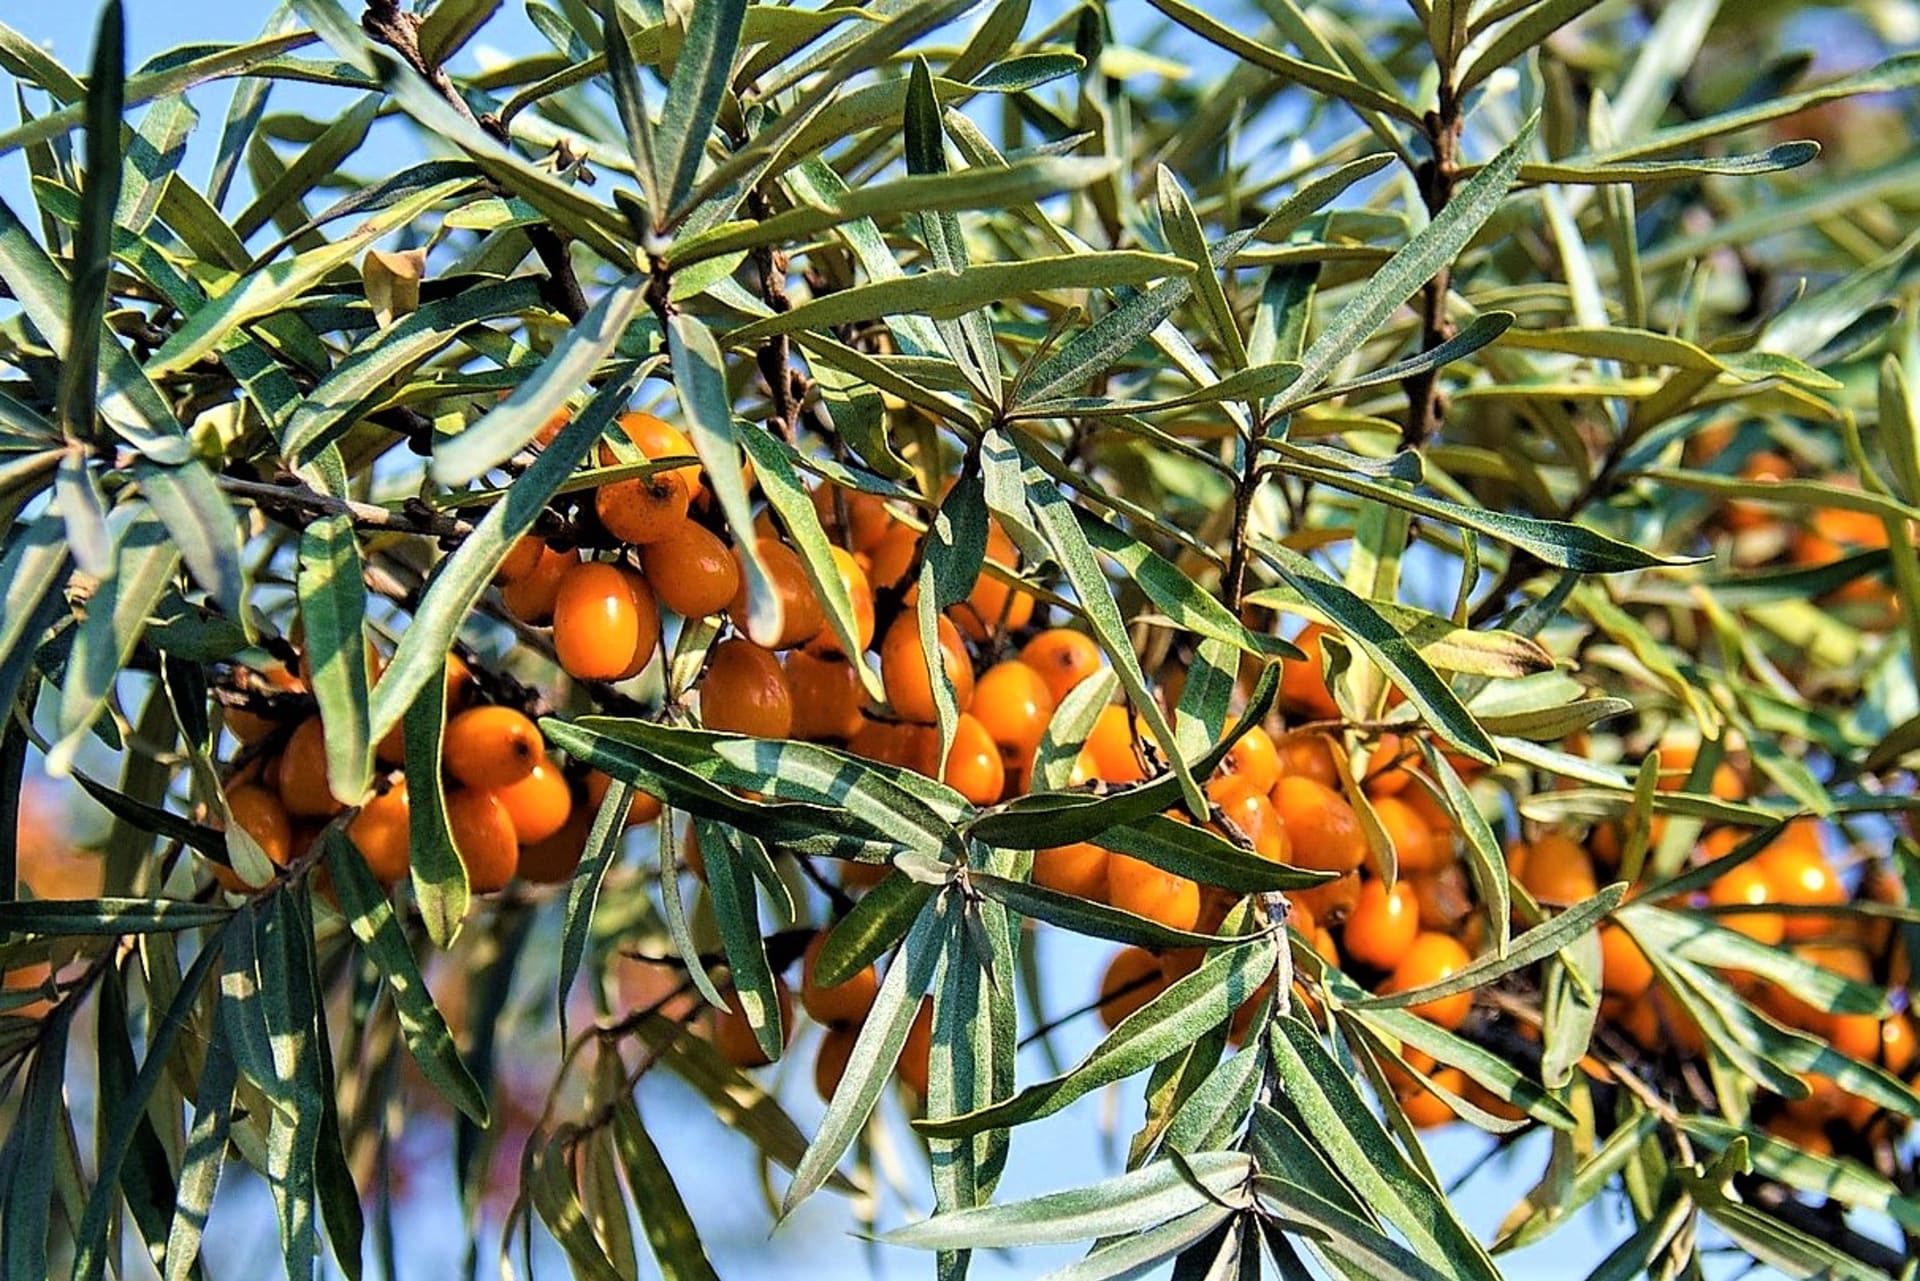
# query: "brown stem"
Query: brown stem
{"points": [[1426, 407], [298, 499]]}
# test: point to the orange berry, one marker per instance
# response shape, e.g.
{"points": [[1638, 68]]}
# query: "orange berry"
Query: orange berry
{"points": [[1331, 901], [973, 766], [1387, 772], [1254, 758], [531, 598], [745, 691], [1625, 970], [692, 571], [733, 1035], [993, 606], [1855, 1035], [644, 509], [1445, 898], [539, 804], [1412, 839], [893, 556], [827, 697], [916, 1056], [1747, 886], [1248, 808], [1112, 745], [843, 1003], [644, 808], [907, 673], [860, 592], [303, 773], [491, 747], [1013, 702], [657, 439], [1308, 756], [484, 838], [1383, 925], [1303, 682], [383, 832], [800, 615], [830, 1063], [1553, 868], [1145, 890], [1133, 977], [1063, 657], [1324, 831], [553, 860], [1425, 1109], [605, 624], [260, 814], [522, 559], [867, 518], [1433, 957], [1079, 869], [1800, 874]]}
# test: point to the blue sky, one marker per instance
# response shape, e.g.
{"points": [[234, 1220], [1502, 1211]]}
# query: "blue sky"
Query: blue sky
{"points": [[715, 1167]]}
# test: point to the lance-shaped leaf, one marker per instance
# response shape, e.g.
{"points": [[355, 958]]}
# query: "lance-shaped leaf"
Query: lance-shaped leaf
{"points": [[333, 608], [93, 241], [670, 1230], [700, 76]]}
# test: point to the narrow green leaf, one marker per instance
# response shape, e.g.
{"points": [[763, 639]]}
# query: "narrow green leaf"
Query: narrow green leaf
{"points": [[434, 866], [333, 607], [700, 76], [93, 242], [663, 1211]]}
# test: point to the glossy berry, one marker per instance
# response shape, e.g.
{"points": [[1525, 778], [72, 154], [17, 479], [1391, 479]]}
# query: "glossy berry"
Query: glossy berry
{"points": [[843, 1003], [1324, 831], [1063, 657], [692, 571], [1116, 745], [1249, 810], [1624, 969], [1145, 890], [801, 617], [1413, 841], [644, 509], [860, 594], [605, 623], [260, 814], [893, 556], [1133, 977], [1308, 756], [830, 1061], [907, 673], [867, 519], [1382, 926], [383, 833], [1798, 873], [827, 697], [745, 691], [491, 747], [531, 598], [1013, 703], [552, 861], [1254, 758], [973, 767], [303, 773], [484, 838], [1079, 870], [1434, 957], [539, 804], [521, 559], [1742, 887], [644, 808], [733, 1034], [1303, 682], [1554, 869], [657, 439]]}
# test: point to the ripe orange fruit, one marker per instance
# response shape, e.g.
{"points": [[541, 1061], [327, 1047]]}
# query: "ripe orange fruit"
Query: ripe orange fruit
{"points": [[692, 571], [657, 439], [644, 808], [830, 1063], [1116, 745], [522, 559], [539, 805], [530, 598], [553, 860], [745, 691], [1248, 808], [1624, 969], [1445, 898], [1387, 772], [1330, 902], [992, 605], [1747, 886], [1746, 513], [1145, 890], [800, 613], [1079, 869], [860, 592], [1425, 1109], [1432, 958], [383, 833], [843, 1003], [916, 1055], [1412, 840], [1676, 762], [1303, 682], [1132, 978], [1308, 756], [1013, 702], [1324, 831], [491, 747], [303, 773], [733, 1035], [1254, 758], [973, 766], [261, 815], [605, 624], [484, 838], [827, 697], [1798, 873], [867, 518], [1063, 657], [1383, 925], [1553, 868], [643, 509], [893, 556], [907, 673]]}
